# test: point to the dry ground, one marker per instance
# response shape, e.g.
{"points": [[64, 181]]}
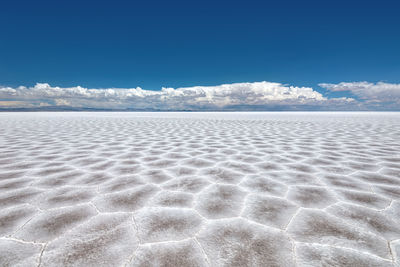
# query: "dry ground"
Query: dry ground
{"points": [[200, 189]]}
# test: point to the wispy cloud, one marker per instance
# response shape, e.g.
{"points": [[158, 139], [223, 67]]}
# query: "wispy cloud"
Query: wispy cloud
{"points": [[236, 95]]}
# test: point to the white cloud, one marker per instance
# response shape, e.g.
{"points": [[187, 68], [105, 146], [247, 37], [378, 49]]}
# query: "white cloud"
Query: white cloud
{"points": [[371, 92], [61, 102], [197, 97]]}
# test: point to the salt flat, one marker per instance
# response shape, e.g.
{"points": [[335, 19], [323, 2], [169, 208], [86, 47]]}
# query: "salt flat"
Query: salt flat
{"points": [[200, 189]]}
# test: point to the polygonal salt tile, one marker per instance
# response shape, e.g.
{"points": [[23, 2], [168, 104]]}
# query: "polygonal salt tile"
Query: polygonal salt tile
{"points": [[58, 180], [174, 155], [315, 255], [337, 170], [220, 201], [182, 171], [270, 211], [247, 159], [127, 200], [150, 158], [376, 178], [240, 167], [52, 223], [393, 211], [94, 179], [120, 183], [366, 199], [14, 217], [13, 184], [126, 170], [362, 166], [155, 176], [390, 172], [9, 175], [345, 182], [64, 196], [299, 167], [237, 242], [392, 159], [318, 162], [102, 166], [161, 164], [294, 178], [259, 184], [371, 220], [214, 157], [269, 166], [186, 184], [395, 247], [19, 196], [197, 163], [173, 199], [105, 240], [43, 172], [194, 153], [227, 151], [127, 156], [314, 226], [311, 196], [185, 253], [221, 175], [387, 191], [88, 161], [363, 159], [166, 224], [18, 254]]}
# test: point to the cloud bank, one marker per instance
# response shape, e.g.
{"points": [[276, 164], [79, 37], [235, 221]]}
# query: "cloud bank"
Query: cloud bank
{"points": [[371, 92], [237, 96]]}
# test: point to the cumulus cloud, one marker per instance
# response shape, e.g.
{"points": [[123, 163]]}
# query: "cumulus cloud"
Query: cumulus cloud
{"points": [[61, 102], [371, 92], [260, 94]]}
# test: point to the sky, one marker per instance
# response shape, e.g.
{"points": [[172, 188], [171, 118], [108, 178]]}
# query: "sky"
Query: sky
{"points": [[200, 55]]}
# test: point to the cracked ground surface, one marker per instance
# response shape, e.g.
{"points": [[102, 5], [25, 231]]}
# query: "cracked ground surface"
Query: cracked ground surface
{"points": [[200, 189]]}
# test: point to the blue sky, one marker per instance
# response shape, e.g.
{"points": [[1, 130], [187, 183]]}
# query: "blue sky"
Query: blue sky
{"points": [[180, 44]]}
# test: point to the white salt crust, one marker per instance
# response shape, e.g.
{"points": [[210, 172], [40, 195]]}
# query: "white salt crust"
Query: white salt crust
{"points": [[199, 189]]}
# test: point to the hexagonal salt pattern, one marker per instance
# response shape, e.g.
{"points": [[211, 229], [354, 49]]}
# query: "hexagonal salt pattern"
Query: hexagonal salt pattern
{"points": [[199, 189]]}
